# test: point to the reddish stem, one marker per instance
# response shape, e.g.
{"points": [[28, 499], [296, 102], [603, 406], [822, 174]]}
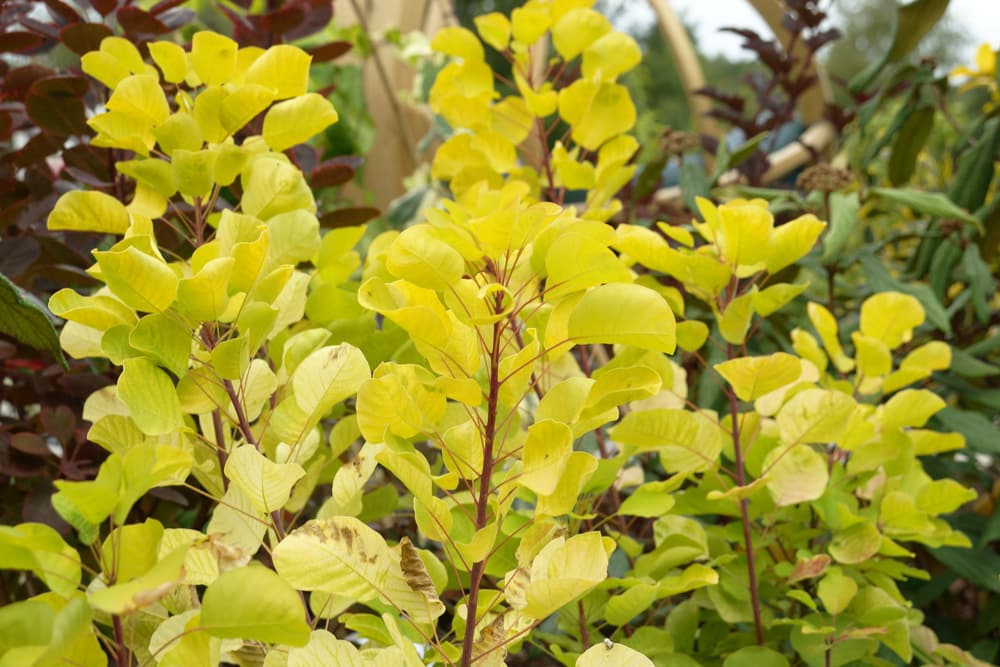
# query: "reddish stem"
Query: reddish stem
{"points": [[745, 512], [482, 500]]}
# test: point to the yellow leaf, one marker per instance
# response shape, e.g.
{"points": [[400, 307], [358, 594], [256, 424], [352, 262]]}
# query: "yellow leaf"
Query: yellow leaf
{"points": [[493, 28], [687, 441], [338, 555], [529, 22], [872, 355], [910, 408], [891, 317], [623, 313], [563, 571], [141, 95], [294, 121], [267, 484], [815, 416], [89, 211], [284, 68], [328, 376], [460, 42], [545, 454], [612, 655], [511, 119], [826, 326], [417, 256], [171, 59], [243, 104], [181, 130], [580, 467], [541, 102], [795, 475], [609, 56], [142, 281], [793, 240], [744, 235], [735, 320], [691, 335], [597, 111], [575, 262], [150, 396], [213, 57], [576, 30], [752, 377]]}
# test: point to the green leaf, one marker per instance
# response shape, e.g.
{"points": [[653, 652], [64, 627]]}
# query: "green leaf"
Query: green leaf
{"points": [[856, 544], [294, 121], [164, 339], [626, 314], [976, 168], [844, 219], [981, 434], [27, 321], [734, 322], [907, 144], [913, 21], [649, 500], [755, 656], [39, 549], [930, 203], [836, 591], [614, 655], [254, 603], [979, 567], [622, 608]]}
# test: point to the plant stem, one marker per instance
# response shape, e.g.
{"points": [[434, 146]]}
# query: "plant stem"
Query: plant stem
{"points": [[121, 654], [745, 512], [482, 500], [220, 446]]}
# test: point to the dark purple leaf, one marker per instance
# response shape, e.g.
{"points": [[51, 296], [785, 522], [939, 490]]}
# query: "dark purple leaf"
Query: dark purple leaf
{"points": [[37, 149], [105, 7], [60, 10], [18, 81], [279, 21], [68, 276], [134, 20], [351, 216], [19, 41], [61, 86], [6, 125], [164, 5], [50, 30], [59, 422], [83, 37], [329, 51], [317, 16], [94, 161], [330, 175], [58, 115], [17, 254], [177, 18], [30, 443]]}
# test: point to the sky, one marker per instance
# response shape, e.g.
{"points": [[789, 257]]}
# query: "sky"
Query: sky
{"points": [[981, 18]]}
